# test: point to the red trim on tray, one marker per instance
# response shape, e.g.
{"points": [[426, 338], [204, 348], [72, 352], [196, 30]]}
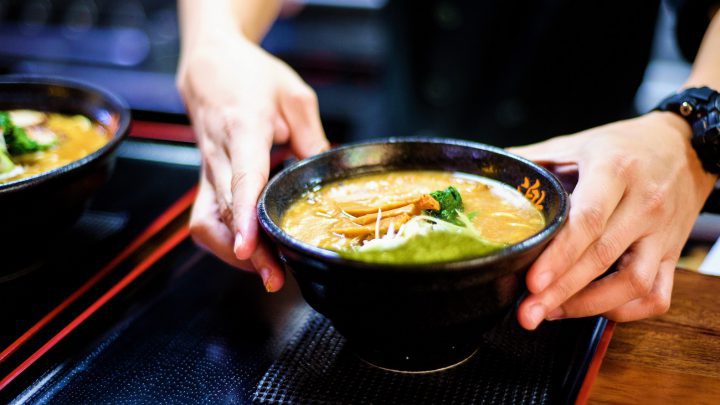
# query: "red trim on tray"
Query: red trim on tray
{"points": [[142, 129], [162, 131], [595, 364], [161, 222], [174, 240]]}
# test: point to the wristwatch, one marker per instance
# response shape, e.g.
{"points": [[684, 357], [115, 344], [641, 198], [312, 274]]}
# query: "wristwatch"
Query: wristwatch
{"points": [[700, 107]]}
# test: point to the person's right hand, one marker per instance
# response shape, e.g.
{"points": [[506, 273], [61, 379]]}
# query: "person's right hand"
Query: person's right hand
{"points": [[242, 100]]}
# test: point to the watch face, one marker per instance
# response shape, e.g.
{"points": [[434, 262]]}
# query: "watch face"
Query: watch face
{"points": [[700, 107]]}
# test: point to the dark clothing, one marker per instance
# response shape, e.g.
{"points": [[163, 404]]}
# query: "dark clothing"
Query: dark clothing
{"points": [[692, 20], [515, 72]]}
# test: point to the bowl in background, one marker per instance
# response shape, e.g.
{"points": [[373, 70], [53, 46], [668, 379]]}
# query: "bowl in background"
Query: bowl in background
{"points": [[37, 210], [412, 317]]}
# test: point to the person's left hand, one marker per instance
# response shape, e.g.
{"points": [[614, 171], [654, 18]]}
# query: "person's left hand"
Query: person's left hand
{"points": [[641, 187]]}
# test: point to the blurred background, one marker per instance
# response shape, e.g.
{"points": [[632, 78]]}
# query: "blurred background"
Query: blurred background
{"points": [[344, 48], [131, 48]]}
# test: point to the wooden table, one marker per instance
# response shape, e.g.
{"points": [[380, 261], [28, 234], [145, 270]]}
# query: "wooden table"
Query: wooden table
{"points": [[674, 358]]}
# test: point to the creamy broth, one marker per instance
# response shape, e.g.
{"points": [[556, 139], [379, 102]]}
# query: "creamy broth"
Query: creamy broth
{"points": [[499, 213], [76, 137]]}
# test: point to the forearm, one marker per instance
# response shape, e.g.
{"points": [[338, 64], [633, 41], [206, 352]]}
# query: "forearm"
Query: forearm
{"points": [[205, 20], [706, 69]]}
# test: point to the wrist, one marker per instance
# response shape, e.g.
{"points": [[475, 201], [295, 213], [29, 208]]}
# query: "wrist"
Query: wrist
{"points": [[209, 48], [680, 128], [674, 121], [206, 23], [211, 38]]}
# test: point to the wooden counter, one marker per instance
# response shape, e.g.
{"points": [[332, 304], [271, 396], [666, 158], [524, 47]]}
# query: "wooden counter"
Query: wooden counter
{"points": [[674, 358]]}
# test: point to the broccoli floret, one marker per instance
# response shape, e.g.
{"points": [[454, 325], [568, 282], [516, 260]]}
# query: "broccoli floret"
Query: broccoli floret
{"points": [[5, 120], [6, 164], [17, 140], [450, 204]]}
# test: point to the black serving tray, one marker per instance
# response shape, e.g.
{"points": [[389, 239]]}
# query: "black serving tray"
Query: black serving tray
{"points": [[199, 332]]}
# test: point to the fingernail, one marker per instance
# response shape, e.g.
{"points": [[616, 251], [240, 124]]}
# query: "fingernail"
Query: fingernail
{"points": [[536, 312], [266, 275], [238, 243], [555, 314], [543, 280]]}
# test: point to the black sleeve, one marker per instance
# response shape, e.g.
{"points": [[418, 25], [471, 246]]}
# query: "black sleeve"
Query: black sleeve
{"points": [[692, 20]]}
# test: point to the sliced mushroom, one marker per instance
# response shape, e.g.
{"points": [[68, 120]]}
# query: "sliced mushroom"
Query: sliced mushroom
{"points": [[366, 230], [371, 218], [426, 202], [358, 209]]}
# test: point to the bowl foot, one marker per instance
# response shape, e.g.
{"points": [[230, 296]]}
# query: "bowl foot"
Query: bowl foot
{"points": [[416, 361]]}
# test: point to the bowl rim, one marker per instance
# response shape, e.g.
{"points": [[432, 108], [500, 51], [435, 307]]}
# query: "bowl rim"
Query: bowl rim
{"points": [[330, 257], [124, 118]]}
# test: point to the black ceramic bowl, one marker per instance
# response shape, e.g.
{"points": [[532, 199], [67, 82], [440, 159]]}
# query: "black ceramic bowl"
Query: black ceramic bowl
{"points": [[412, 318], [36, 210]]}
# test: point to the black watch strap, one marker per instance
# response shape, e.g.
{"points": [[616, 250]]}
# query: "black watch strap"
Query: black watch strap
{"points": [[700, 107]]}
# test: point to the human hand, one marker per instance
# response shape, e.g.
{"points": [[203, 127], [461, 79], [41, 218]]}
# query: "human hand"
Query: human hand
{"points": [[640, 189], [242, 100]]}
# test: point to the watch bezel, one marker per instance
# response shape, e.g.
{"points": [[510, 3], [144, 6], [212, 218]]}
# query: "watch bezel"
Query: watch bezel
{"points": [[700, 108]]}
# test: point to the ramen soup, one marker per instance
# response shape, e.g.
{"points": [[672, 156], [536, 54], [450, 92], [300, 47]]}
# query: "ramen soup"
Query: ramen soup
{"points": [[34, 142], [413, 217]]}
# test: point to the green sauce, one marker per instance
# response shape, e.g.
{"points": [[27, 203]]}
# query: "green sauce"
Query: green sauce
{"points": [[431, 247]]}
